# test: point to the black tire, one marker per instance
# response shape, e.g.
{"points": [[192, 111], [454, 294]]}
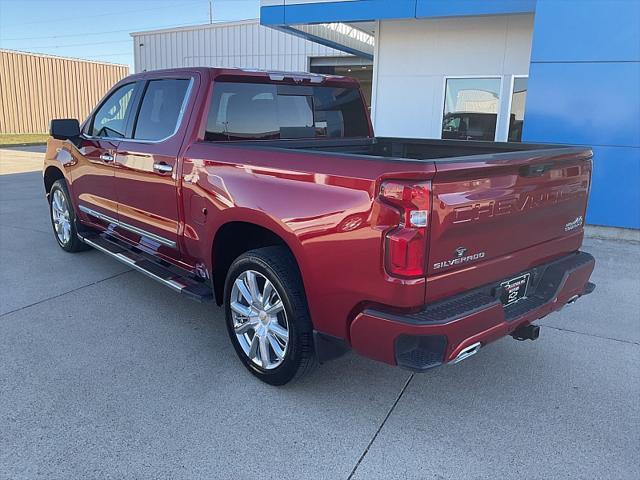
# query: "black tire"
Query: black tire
{"points": [[73, 243], [279, 267]]}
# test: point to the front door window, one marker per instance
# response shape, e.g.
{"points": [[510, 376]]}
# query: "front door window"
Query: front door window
{"points": [[111, 118]]}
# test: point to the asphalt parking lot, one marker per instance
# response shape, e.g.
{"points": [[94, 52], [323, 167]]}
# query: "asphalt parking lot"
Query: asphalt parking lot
{"points": [[106, 374]]}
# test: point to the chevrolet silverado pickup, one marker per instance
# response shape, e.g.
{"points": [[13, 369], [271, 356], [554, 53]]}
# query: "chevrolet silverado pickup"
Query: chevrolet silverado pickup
{"points": [[268, 193]]}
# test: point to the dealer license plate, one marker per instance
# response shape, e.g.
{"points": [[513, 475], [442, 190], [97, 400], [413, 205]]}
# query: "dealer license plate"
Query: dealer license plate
{"points": [[514, 290]]}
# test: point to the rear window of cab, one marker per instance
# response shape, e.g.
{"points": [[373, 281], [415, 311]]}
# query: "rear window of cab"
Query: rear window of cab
{"points": [[261, 111]]}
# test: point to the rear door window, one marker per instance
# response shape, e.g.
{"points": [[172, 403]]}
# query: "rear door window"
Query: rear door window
{"points": [[161, 109], [256, 111]]}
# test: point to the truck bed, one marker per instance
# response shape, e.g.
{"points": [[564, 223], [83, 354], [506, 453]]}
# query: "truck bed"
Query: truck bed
{"points": [[507, 205], [404, 148]]}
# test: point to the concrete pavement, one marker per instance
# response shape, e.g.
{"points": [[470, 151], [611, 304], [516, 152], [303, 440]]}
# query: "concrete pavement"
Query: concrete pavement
{"points": [[106, 374], [21, 159]]}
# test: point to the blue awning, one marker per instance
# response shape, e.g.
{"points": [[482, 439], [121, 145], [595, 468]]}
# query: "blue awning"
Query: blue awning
{"points": [[279, 12]]}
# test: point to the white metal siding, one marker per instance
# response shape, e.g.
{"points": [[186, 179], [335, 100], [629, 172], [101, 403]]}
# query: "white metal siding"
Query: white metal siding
{"points": [[413, 57], [239, 44]]}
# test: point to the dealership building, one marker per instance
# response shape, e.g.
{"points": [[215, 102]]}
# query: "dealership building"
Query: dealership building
{"points": [[544, 71], [247, 44]]}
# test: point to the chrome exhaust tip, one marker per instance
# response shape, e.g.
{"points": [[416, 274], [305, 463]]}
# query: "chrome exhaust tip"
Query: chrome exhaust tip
{"points": [[466, 353], [573, 299]]}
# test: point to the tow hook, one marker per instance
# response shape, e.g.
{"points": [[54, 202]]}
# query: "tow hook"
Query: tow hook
{"points": [[528, 332]]}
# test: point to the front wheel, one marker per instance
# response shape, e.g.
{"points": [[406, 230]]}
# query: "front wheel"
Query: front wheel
{"points": [[267, 315], [63, 218]]}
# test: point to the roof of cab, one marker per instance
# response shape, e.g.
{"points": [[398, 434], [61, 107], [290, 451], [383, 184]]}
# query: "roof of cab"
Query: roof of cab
{"points": [[271, 75]]}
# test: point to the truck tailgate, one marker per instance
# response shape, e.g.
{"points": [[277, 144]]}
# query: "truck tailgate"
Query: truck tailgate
{"points": [[491, 212]]}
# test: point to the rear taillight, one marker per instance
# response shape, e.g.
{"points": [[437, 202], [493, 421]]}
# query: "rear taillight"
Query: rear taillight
{"points": [[406, 244]]}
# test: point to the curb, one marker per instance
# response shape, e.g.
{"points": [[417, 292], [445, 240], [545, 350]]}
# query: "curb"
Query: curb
{"points": [[612, 233], [32, 144]]}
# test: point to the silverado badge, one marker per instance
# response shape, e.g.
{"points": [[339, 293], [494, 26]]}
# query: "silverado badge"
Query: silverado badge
{"points": [[573, 224]]}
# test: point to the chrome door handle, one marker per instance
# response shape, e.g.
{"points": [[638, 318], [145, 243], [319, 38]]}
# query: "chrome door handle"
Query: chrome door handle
{"points": [[105, 157], [162, 167]]}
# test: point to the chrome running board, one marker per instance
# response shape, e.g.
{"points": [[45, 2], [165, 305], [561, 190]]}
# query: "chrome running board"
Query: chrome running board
{"points": [[169, 276]]}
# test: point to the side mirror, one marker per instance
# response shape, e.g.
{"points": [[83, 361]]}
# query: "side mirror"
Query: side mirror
{"points": [[64, 128]]}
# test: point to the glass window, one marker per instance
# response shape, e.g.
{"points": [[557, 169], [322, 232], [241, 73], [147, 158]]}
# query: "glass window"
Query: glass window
{"points": [[471, 108], [295, 116], [111, 118], [242, 111], [254, 111], [160, 109], [518, 100], [339, 112]]}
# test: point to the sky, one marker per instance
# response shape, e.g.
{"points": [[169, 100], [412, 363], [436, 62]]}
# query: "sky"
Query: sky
{"points": [[99, 29]]}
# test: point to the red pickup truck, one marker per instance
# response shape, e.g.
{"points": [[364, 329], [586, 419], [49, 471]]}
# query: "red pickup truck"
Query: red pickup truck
{"points": [[268, 193]]}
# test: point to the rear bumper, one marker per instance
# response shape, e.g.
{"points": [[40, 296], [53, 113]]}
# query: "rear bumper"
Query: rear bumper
{"points": [[439, 332]]}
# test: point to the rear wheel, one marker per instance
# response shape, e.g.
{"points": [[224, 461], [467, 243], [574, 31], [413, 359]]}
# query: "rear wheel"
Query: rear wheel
{"points": [[267, 315], [63, 218]]}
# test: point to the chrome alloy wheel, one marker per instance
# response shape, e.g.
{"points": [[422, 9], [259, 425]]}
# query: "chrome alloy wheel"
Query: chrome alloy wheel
{"points": [[259, 319], [61, 217]]}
